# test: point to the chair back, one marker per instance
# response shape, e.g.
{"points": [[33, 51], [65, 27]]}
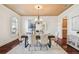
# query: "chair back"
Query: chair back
{"points": [[44, 39], [56, 36]]}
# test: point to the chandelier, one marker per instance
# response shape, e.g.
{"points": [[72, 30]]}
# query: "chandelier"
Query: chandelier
{"points": [[38, 7]]}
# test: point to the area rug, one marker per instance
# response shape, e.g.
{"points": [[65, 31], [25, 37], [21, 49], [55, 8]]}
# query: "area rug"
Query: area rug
{"points": [[20, 49]]}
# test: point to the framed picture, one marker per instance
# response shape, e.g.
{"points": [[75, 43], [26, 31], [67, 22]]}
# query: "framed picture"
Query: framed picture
{"points": [[13, 25], [75, 23]]}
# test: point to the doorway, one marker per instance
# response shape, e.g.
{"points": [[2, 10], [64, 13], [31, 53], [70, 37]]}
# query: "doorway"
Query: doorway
{"points": [[64, 31]]}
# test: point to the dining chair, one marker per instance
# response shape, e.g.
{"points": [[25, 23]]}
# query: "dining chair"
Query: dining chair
{"points": [[44, 41]]}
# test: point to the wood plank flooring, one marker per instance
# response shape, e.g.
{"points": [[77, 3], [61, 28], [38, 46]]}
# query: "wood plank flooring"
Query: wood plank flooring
{"points": [[67, 48], [4, 49], [7, 47]]}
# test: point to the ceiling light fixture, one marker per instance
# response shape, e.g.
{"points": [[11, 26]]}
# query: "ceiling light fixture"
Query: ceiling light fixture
{"points": [[38, 7]]}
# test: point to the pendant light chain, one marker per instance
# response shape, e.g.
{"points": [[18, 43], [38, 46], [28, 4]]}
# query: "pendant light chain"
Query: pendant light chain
{"points": [[38, 12]]}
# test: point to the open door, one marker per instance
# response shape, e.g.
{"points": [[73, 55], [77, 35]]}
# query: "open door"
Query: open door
{"points": [[64, 31]]}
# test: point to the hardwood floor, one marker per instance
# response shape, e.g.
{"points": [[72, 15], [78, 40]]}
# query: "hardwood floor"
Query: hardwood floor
{"points": [[71, 50], [4, 49], [67, 48], [7, 47]]}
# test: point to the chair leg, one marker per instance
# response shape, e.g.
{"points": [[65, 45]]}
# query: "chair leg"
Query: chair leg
{"points": [[40, 46], [29, 46], [47, 47], [34, 47]]}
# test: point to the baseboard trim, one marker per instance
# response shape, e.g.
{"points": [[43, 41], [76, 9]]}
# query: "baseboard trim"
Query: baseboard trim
{"points": [[73, 48], [69, 49], [7, 47]]}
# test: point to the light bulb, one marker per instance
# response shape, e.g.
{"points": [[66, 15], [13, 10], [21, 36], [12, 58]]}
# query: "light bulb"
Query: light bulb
{"points": [[38, 7], [36, 19], [41, 19]]}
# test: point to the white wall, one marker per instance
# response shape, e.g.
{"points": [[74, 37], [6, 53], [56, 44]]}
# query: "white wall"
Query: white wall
{"points": [[69, 13], [5, 16], [51, 22]]}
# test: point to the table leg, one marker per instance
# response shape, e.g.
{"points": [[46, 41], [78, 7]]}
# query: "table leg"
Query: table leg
{"points": [[26, 42], [49, 43]]}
